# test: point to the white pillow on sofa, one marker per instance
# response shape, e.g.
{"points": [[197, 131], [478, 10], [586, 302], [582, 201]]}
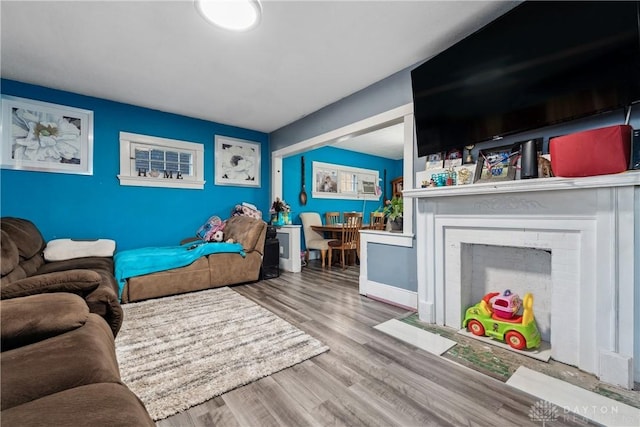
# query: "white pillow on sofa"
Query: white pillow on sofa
{"points": [[64, 249]]}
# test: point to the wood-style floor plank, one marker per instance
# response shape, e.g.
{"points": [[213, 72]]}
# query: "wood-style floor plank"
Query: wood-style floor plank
{"points": [[366, 379]]}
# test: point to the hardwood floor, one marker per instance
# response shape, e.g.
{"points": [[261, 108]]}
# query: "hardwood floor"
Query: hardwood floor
{"points": [[366, 379]]}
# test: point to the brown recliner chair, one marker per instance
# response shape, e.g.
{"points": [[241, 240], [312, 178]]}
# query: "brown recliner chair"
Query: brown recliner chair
{"points": [[58, 366], [25, 272]]}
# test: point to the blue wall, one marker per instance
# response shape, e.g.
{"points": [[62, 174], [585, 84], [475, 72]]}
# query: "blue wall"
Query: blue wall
{"points": [[291, 184], [79, 206]]}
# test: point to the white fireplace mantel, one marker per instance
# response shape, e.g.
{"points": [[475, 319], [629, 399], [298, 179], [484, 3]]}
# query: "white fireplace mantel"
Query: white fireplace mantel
{"points": [[629, 178], [590, 225]]}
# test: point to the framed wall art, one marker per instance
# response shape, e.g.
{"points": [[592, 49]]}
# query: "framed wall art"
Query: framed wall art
{"points": [[496, 164], [237, 162], [331, 181], [41, 136], [325, 178]]}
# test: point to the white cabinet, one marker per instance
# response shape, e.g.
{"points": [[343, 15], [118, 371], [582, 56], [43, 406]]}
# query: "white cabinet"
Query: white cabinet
{"points": [[289, 238]]}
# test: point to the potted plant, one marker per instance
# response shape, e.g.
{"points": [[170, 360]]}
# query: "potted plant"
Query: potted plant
{"points": [[393, 210], [280, 211]]}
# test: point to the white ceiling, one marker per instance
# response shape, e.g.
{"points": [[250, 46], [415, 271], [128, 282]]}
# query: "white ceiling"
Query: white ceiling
{"points": [[163, 55], [386, 142]]}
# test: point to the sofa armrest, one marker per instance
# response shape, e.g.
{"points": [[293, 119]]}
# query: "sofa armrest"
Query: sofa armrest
{"points": [[249, 232], [104, 301], [33, 318], [80, 282]]}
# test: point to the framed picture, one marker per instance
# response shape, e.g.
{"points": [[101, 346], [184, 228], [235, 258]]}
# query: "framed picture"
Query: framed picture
{"points": [[496, 164], [434, 161], [45, 137], [237, 162], [325, 178], [453, 158]]}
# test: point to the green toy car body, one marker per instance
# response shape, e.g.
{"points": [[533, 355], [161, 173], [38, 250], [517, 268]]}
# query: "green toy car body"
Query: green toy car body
{"points": [[520, 332]]}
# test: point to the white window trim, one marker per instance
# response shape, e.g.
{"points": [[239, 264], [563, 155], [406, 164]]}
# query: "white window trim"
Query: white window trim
{"points": [[345, 195], [129, 175]]}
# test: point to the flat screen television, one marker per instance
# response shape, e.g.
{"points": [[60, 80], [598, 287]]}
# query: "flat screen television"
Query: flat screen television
{"points": [[540, 64]]}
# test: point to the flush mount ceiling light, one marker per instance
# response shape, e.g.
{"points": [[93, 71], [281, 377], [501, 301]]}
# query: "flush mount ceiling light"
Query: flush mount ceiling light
{"points": [[236, 15]]}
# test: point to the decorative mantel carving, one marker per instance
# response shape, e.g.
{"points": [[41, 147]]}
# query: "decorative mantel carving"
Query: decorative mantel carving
{"points": [[507, 203]]}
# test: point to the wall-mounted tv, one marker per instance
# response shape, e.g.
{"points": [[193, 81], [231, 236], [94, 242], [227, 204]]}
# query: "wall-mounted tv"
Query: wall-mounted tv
{"points": [[541, 63]]}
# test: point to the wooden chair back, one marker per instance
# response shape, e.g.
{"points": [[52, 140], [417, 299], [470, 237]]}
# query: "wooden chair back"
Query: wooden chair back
{"points": [[376, 221], [332, 217], [352, 224]]}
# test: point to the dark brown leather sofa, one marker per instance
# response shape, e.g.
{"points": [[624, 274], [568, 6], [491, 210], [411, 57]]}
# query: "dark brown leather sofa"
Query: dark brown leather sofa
{"points": [[25, 272], [58, 363]]}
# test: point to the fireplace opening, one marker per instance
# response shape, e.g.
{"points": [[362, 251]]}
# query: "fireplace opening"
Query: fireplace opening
{"points": [[492, 268]]}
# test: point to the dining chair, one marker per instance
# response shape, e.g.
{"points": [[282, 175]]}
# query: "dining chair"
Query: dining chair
{"points": [[332, 217], [312, 239], [350, 236], [376, 221]]}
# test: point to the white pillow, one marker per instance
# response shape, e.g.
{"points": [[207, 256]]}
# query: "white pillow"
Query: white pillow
{"points": [[64, 249]]}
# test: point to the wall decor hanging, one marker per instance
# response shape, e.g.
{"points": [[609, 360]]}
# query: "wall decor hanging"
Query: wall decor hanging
{"points": [[41, 136], [237, 162]]}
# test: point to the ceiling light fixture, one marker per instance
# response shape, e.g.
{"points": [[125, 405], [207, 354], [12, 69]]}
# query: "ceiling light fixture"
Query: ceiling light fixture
{"points": [[236, 15]]}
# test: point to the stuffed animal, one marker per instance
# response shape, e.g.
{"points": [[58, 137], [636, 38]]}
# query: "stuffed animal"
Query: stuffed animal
{"points": [[246, 209], [207, 231], [217, 236]]}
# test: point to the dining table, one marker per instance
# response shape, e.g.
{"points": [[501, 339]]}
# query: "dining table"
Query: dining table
{"points": [[335, 232]]}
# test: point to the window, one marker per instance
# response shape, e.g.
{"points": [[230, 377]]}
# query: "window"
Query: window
{"points": [[344, 182], [159, 162]]}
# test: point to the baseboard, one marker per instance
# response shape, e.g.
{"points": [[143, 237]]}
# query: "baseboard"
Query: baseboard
{"points": [[392, 295]]}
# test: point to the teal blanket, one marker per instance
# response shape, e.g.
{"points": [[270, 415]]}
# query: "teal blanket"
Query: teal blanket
{"points": [[138, 262]]}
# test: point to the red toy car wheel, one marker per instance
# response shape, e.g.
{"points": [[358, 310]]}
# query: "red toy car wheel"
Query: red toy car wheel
{"points": [[516, 340], [475, 328]]}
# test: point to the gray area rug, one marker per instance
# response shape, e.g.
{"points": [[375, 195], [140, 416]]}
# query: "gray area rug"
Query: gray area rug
{"points": [[180, 351]]}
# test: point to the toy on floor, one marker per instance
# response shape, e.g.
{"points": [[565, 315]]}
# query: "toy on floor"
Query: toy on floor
{"points": [[519, 331]]}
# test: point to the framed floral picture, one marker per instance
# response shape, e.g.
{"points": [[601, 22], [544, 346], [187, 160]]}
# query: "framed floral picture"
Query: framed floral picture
{"points": [[237, 162], [496, 164], [41, 136]]}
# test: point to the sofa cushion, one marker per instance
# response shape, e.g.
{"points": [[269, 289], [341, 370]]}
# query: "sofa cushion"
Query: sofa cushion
{"points": [[18, 273], [25, 235], [104, 264], [85, 355], [246, 231], [9, 254], [38, 317], [79, 282], [32, 265], [102, 404]]}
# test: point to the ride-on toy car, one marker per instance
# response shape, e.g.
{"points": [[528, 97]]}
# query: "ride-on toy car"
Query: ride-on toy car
{"points": [[519, 332]]}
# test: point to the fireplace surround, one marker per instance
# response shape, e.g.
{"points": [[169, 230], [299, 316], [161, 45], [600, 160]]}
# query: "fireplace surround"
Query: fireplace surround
{"points": [[591, 228]]}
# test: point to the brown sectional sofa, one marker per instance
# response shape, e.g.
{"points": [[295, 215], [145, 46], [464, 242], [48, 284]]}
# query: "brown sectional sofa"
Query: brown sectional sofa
{"points": [[25, 272], [58, 324], [212, 271]]}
